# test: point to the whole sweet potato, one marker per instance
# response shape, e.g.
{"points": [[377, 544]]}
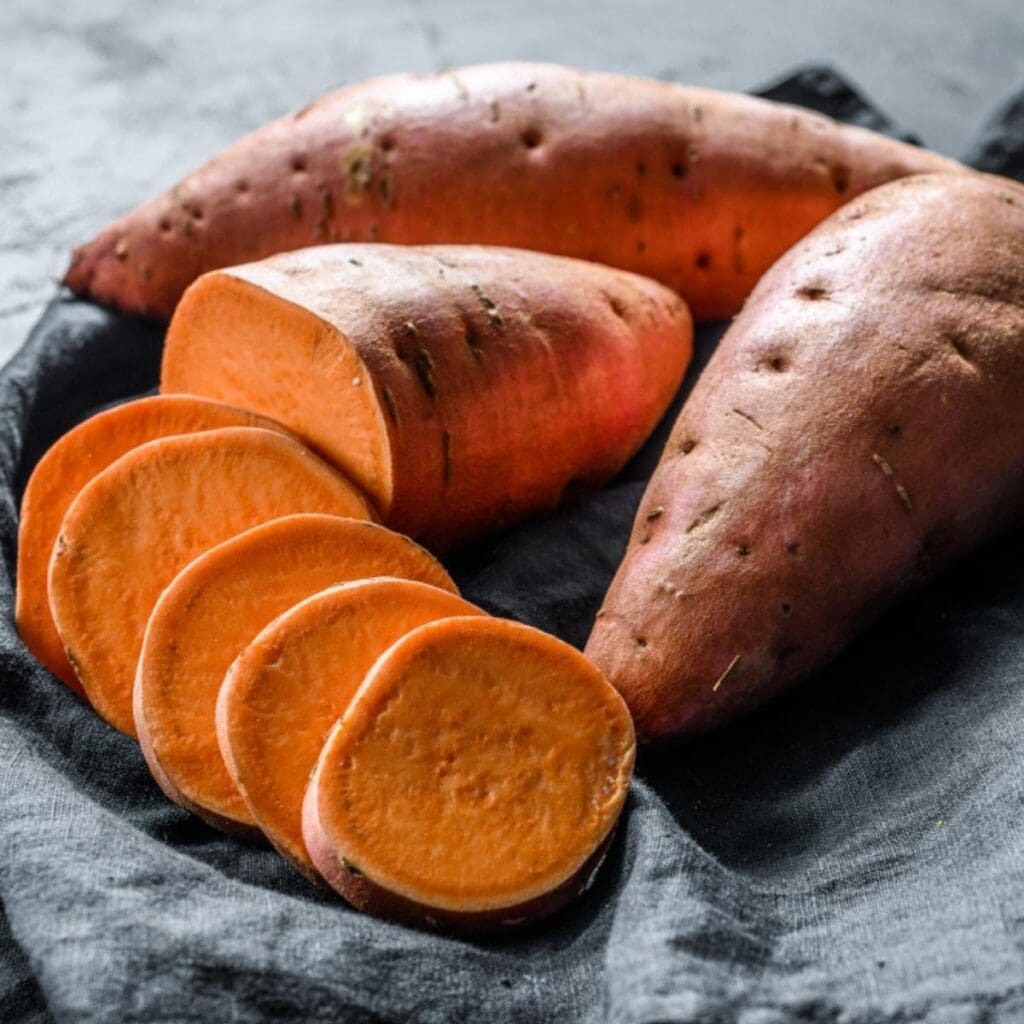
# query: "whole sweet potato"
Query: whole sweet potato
{"points": [[461, 387], [701, 190], [860, 426]]}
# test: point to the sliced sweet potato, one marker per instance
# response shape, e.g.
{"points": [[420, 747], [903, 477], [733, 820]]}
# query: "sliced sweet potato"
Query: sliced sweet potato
{"points": [[213, 608], [136, 524], [461, 387], [292, 683], [474, 780], [699, 189], [860, 426], [66, 468]]}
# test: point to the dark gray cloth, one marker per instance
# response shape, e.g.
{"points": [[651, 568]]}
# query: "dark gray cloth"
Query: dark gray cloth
{"points": [[854, 853]]}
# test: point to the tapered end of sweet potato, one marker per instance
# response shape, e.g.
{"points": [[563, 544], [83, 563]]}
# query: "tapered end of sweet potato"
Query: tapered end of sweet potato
{"points": [[136, 264]]}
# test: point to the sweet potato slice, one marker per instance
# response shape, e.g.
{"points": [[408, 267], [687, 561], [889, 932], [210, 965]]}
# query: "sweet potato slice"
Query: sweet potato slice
{"points": [[461, 387], [134, 526], [474, 780], [213, 608], [65, 469], [860, 426], [699, 189], [292, 683]]}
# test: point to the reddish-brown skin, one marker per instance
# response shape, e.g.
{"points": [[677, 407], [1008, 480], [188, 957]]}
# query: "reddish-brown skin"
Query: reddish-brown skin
{"points": [[371, 898], [859, 427], [462, 387], [699, 189]]}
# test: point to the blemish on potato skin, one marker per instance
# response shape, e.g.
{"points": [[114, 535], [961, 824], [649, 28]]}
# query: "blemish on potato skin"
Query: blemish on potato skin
{"points": [[705, 517], [492, 311], [721, 679], [424, 365], [473, 343], [390, 404], [890, 474], [840, 175], [530, 137]]}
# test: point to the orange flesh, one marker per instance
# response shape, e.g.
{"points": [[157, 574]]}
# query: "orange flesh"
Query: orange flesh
{"points": [[481, 763], [299, 368], [144, 518], [65, 469], [217, 605], [289, 687]]}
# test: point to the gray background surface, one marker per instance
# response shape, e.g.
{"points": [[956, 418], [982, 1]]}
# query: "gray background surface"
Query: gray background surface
{"points": [[106, 102]]}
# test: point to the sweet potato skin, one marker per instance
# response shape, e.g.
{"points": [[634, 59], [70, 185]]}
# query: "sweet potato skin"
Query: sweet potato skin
{"points": [[366, 895], [701, 190], [488, 381], [859, 427], [65, 469]]}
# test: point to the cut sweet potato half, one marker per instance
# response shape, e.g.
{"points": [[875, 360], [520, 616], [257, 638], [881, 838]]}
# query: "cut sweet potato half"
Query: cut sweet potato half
{"points": [[463, 388], [475, 779], [65, 469], [212, 609], [134, 526], [293, 682]]}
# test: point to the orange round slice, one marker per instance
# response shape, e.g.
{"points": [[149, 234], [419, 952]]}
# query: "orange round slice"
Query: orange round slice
{"points": [[134, 526], [212, 609], [292, 683], [65, 469], [475, 779]]}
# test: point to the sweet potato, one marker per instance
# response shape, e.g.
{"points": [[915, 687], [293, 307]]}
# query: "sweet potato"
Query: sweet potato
{"points": [[859, 427], [212, 609], [698, 189], [65, 469], [461, 387], [136, 524], [292, 683], [474, 780]]}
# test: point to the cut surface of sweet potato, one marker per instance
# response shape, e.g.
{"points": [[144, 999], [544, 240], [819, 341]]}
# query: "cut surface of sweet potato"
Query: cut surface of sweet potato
{"points": [[292, 683], [213, 608], [65, 469], [480, 768], [134, 526], [462, 387]]}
